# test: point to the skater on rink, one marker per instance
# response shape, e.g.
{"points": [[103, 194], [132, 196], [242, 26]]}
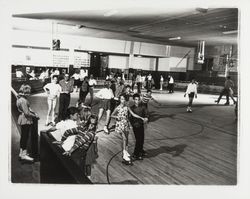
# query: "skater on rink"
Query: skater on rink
{"points": [[122, 125], [192, 92]]}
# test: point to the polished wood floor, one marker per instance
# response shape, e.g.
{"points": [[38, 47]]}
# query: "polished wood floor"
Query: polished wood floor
{"points": [[198, 148]]}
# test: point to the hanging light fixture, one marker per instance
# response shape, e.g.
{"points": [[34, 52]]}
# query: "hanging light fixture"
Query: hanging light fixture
{"points": [[201, 52], [55, 41], [174, 38]]}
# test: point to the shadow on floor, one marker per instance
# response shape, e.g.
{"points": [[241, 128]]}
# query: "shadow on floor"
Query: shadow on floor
{"points": [[175, 150], [154, 116], [126, 182]]}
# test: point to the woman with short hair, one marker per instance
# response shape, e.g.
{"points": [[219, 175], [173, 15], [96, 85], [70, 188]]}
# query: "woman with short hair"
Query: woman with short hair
{"points": [[25, 120]]}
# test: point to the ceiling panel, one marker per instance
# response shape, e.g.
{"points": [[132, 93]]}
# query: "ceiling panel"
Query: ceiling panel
{"points": [[152, 25]]}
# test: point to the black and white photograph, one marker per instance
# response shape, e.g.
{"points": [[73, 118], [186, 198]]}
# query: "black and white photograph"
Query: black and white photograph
{"points": [[118, 94]]}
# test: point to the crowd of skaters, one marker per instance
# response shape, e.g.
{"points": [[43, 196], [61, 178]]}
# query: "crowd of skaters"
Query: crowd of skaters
{"points": [[113, 100]]}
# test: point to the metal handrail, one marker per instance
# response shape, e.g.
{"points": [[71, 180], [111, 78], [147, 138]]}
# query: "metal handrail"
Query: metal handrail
{"points": [[14, 92]]}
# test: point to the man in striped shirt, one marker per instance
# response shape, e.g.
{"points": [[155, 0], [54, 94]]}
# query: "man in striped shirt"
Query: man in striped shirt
{"points": [[146, 97], [84, 135]]}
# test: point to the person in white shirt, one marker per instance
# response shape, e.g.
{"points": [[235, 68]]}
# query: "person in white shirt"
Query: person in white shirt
{"points": [[47, 73], [161, 82], [149, 77], [170, 84], [19, 73], [77, 82], [149, 82], [92, 83], [139, 83], [105, 94], [83, 73], [57, 72], [32, 75], [42, 75], [53, 91], [143, 81], [70, 122], [192, 92]]}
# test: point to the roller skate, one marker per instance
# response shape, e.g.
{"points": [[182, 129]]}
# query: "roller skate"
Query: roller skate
{"points": [[24, 157], [126, 160]]}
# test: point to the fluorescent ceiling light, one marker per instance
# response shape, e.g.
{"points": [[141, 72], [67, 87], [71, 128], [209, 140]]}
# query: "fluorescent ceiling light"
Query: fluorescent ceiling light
{"points": [[230, 32], [110, 13], [174, 38], [202, 9]]}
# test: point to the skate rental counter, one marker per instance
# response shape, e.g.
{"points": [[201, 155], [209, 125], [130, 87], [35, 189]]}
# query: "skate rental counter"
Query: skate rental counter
{"points": [[57, 168]]}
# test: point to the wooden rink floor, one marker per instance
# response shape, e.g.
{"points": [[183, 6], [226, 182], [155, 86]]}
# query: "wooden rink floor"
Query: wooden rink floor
{"points": [[198, 148]]}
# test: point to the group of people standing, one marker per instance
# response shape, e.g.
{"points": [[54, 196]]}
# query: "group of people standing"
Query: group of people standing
{"points": [[148, 82], [60, 92], [113, 100]]}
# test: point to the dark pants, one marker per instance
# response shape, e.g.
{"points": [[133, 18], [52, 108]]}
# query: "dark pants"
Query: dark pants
{"points": [[171, 88], [145, 105], [191, 98], [149, 85], [91, 91], [225, 91], [133, 85], [139, 140], [25, 131], [82, 95], [138, 87], [113, 104], [64, 102]]}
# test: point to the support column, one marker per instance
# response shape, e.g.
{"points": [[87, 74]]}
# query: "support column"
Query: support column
{"points": [[131, 55], [226, 66], [157, 64]]}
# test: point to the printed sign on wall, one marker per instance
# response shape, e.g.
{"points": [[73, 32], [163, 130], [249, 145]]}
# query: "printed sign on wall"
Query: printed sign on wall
{"points": [[60, 59], [81, 59]]}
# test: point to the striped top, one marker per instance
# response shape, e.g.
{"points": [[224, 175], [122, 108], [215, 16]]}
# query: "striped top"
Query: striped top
{"points": [[145, 98], [83, 139]]}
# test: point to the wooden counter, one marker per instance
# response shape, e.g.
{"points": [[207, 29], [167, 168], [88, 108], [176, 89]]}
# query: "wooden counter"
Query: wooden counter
{"points": [[57, 168]]}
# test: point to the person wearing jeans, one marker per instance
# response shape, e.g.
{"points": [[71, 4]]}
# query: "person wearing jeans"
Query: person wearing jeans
{"points": [[53, 91]]}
